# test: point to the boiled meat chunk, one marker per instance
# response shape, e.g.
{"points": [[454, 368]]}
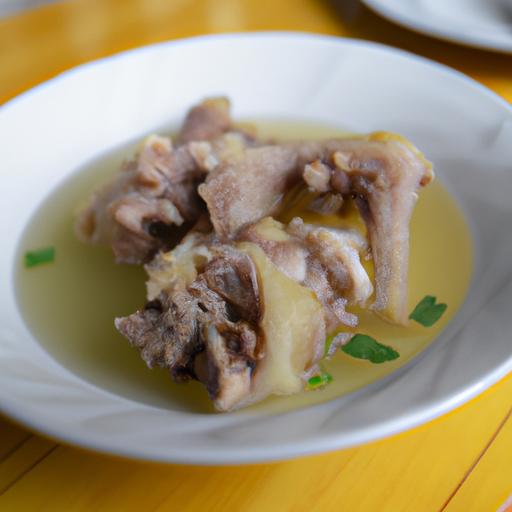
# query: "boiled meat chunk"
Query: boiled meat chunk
{"points": [[384, 173], [244, 190], [249, 317], [153, 201], [206, 121], [236, 299], [241, 327], [326, 260]]}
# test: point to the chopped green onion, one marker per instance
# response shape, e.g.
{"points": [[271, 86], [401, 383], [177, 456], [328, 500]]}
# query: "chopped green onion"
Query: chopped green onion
{"points": [[319, 381], [427, 312], [33, 258], [362, 346]]}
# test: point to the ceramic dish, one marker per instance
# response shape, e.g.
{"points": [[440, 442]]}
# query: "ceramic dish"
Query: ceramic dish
{"points": [[54, 129], [479, 23]]}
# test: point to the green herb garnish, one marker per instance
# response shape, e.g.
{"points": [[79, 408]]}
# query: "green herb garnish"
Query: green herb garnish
{"points": [[362, 346], [33, 258], [319, 381], [427, 312]]}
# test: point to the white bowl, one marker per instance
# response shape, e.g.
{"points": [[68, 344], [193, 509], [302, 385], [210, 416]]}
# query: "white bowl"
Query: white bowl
{"points": [[464, 128]]}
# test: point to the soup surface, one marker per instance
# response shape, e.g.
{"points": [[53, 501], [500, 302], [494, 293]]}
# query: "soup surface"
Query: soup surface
{"points": [[70, 304]]}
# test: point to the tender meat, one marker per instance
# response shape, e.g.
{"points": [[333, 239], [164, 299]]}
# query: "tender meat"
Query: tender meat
{"points": [[243, 303], [165, 332], [143, 209], [383, 174], [207, 330], [236, 323], [153, 202], [250, 187], [325, 260], [206, 121], [382, 171], [339, 252], [233, 277]]}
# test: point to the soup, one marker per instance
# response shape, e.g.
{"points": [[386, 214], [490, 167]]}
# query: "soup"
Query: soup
{"points": [[70, 304]]}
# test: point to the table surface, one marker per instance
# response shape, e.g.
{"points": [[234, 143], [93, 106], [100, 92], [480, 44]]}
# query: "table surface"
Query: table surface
{"points": [[460, 462]]}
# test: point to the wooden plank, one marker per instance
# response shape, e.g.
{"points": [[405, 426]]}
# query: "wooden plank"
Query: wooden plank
{"points": [[27, 456], [416, 471], [11, 437], [490, 483]]}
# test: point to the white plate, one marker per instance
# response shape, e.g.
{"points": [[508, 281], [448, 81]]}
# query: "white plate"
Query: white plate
{"points": [[481, 23], [53, 129]]}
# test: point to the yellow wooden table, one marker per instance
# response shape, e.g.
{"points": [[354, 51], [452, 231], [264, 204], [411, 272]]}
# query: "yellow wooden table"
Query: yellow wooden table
{"points": [[461, 462]]}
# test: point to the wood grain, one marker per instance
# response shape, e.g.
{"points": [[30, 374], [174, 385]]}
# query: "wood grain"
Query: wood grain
{"points": [[26, 456], [11, 438], [490, 482]]}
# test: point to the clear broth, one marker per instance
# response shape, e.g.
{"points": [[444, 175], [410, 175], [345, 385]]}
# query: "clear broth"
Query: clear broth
{"points": [[70, 304]]}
